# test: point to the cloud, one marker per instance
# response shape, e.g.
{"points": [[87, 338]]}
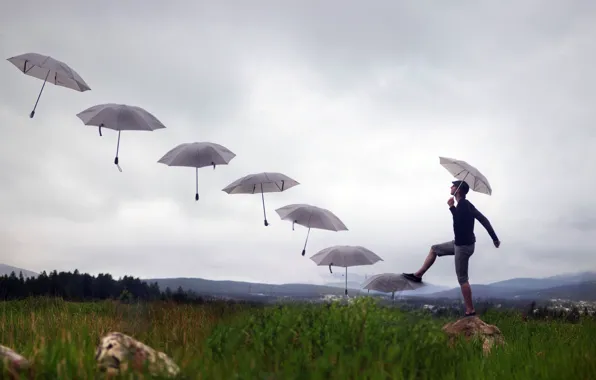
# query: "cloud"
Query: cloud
{"points": [[355, 102]]}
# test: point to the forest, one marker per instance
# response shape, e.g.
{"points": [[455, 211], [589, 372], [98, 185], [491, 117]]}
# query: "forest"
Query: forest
{"points": [[76, 286]]}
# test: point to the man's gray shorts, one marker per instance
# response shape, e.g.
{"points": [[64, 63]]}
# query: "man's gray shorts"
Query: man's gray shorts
{"points": [[462, 255]]}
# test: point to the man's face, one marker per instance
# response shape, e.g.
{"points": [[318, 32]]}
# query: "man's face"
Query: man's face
{"points": [[453, 189]]}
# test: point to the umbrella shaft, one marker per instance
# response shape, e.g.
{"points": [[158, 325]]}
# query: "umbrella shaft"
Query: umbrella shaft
{"points": [[118, 144], [263, 201], [307, 235], [462, 181], [346, 281], [39, 96]]}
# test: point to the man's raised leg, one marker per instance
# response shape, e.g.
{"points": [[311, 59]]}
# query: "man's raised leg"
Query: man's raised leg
{"points": [[442, 249], [428, 262]]}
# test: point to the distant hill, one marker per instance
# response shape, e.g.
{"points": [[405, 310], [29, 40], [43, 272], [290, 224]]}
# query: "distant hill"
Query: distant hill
{"points": [[574, 286], [579, 286], [423, 291], [7, 269], [229, 288], [341, 284], [355, 281], [585, 291], [428, 289], [478, 291], [547, 282]]}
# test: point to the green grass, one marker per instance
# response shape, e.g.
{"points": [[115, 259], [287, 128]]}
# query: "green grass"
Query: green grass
{"points": [[358, 341]]}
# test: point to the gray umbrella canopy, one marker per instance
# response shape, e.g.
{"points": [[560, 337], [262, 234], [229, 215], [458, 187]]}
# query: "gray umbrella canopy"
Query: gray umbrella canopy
{"points": [[119, 117], [390, 283], [50, 70], [467, 173], [265, 182], [197, 155], [345, 256], [311, 216]]}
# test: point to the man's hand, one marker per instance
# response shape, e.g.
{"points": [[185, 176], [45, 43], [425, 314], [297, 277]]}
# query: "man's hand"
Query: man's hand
{"points": [[451, 202], [497, 243]]}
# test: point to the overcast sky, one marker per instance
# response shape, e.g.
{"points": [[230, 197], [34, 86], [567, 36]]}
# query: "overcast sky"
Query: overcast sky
{"points": [[355, 100]]}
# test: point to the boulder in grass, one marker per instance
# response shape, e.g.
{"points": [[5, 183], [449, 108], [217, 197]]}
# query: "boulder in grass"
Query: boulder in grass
{"points": [[475, 328], [118, 352], [12, 361]]}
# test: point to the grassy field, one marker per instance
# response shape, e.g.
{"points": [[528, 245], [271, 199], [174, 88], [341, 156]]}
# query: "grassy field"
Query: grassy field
{"points": [[358, 341]]}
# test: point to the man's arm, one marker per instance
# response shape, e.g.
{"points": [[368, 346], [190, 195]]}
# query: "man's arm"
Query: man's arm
{"points": [[485, 223]]}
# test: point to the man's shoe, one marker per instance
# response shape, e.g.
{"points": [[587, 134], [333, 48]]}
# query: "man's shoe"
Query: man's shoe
{"points": [[472, 314], [412, 277]]}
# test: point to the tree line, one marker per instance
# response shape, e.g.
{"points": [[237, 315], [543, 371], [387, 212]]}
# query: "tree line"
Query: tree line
{"points": [[75, 286]]}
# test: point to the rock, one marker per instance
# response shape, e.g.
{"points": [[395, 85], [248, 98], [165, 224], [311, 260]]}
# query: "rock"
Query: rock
{"points": [[118, 352], [475, 328], [13, 362]]}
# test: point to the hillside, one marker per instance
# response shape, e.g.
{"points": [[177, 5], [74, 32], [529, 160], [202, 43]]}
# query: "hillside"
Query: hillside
{"points": [[525, 287], [234, 341], [428, 289], [584, 291], [575, 286], [547, 282], [7, 269], [230, 288]]}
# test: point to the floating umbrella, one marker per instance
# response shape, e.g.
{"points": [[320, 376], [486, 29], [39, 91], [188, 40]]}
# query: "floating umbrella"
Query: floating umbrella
{"points": [[467, 173], [119, 117], [311, 217], [50, 70], [345, 256], [197, 155], [390, 283], [261, 183]]}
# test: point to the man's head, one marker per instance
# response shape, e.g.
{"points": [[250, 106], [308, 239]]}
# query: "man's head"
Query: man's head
{"points": [[463, 189]]}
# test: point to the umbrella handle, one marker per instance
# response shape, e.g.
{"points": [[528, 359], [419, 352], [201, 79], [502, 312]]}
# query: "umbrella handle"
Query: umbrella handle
{"points": [[330, 271], [116, 163]]}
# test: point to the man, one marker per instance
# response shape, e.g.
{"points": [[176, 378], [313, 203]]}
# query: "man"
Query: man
{"points": [[462, 247]]}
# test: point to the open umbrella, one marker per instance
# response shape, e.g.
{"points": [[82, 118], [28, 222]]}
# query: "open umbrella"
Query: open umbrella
{"points": [[345, 256], [261, 183], [390, 283], [119, 117], [50, 70], [197, 155], [467, 173], [311, 217]]}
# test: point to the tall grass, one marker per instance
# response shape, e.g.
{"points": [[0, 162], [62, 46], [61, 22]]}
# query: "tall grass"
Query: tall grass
{"points": [[357, 341]]}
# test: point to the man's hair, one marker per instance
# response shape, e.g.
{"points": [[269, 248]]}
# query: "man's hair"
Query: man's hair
{"points": [[463, 189]]}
